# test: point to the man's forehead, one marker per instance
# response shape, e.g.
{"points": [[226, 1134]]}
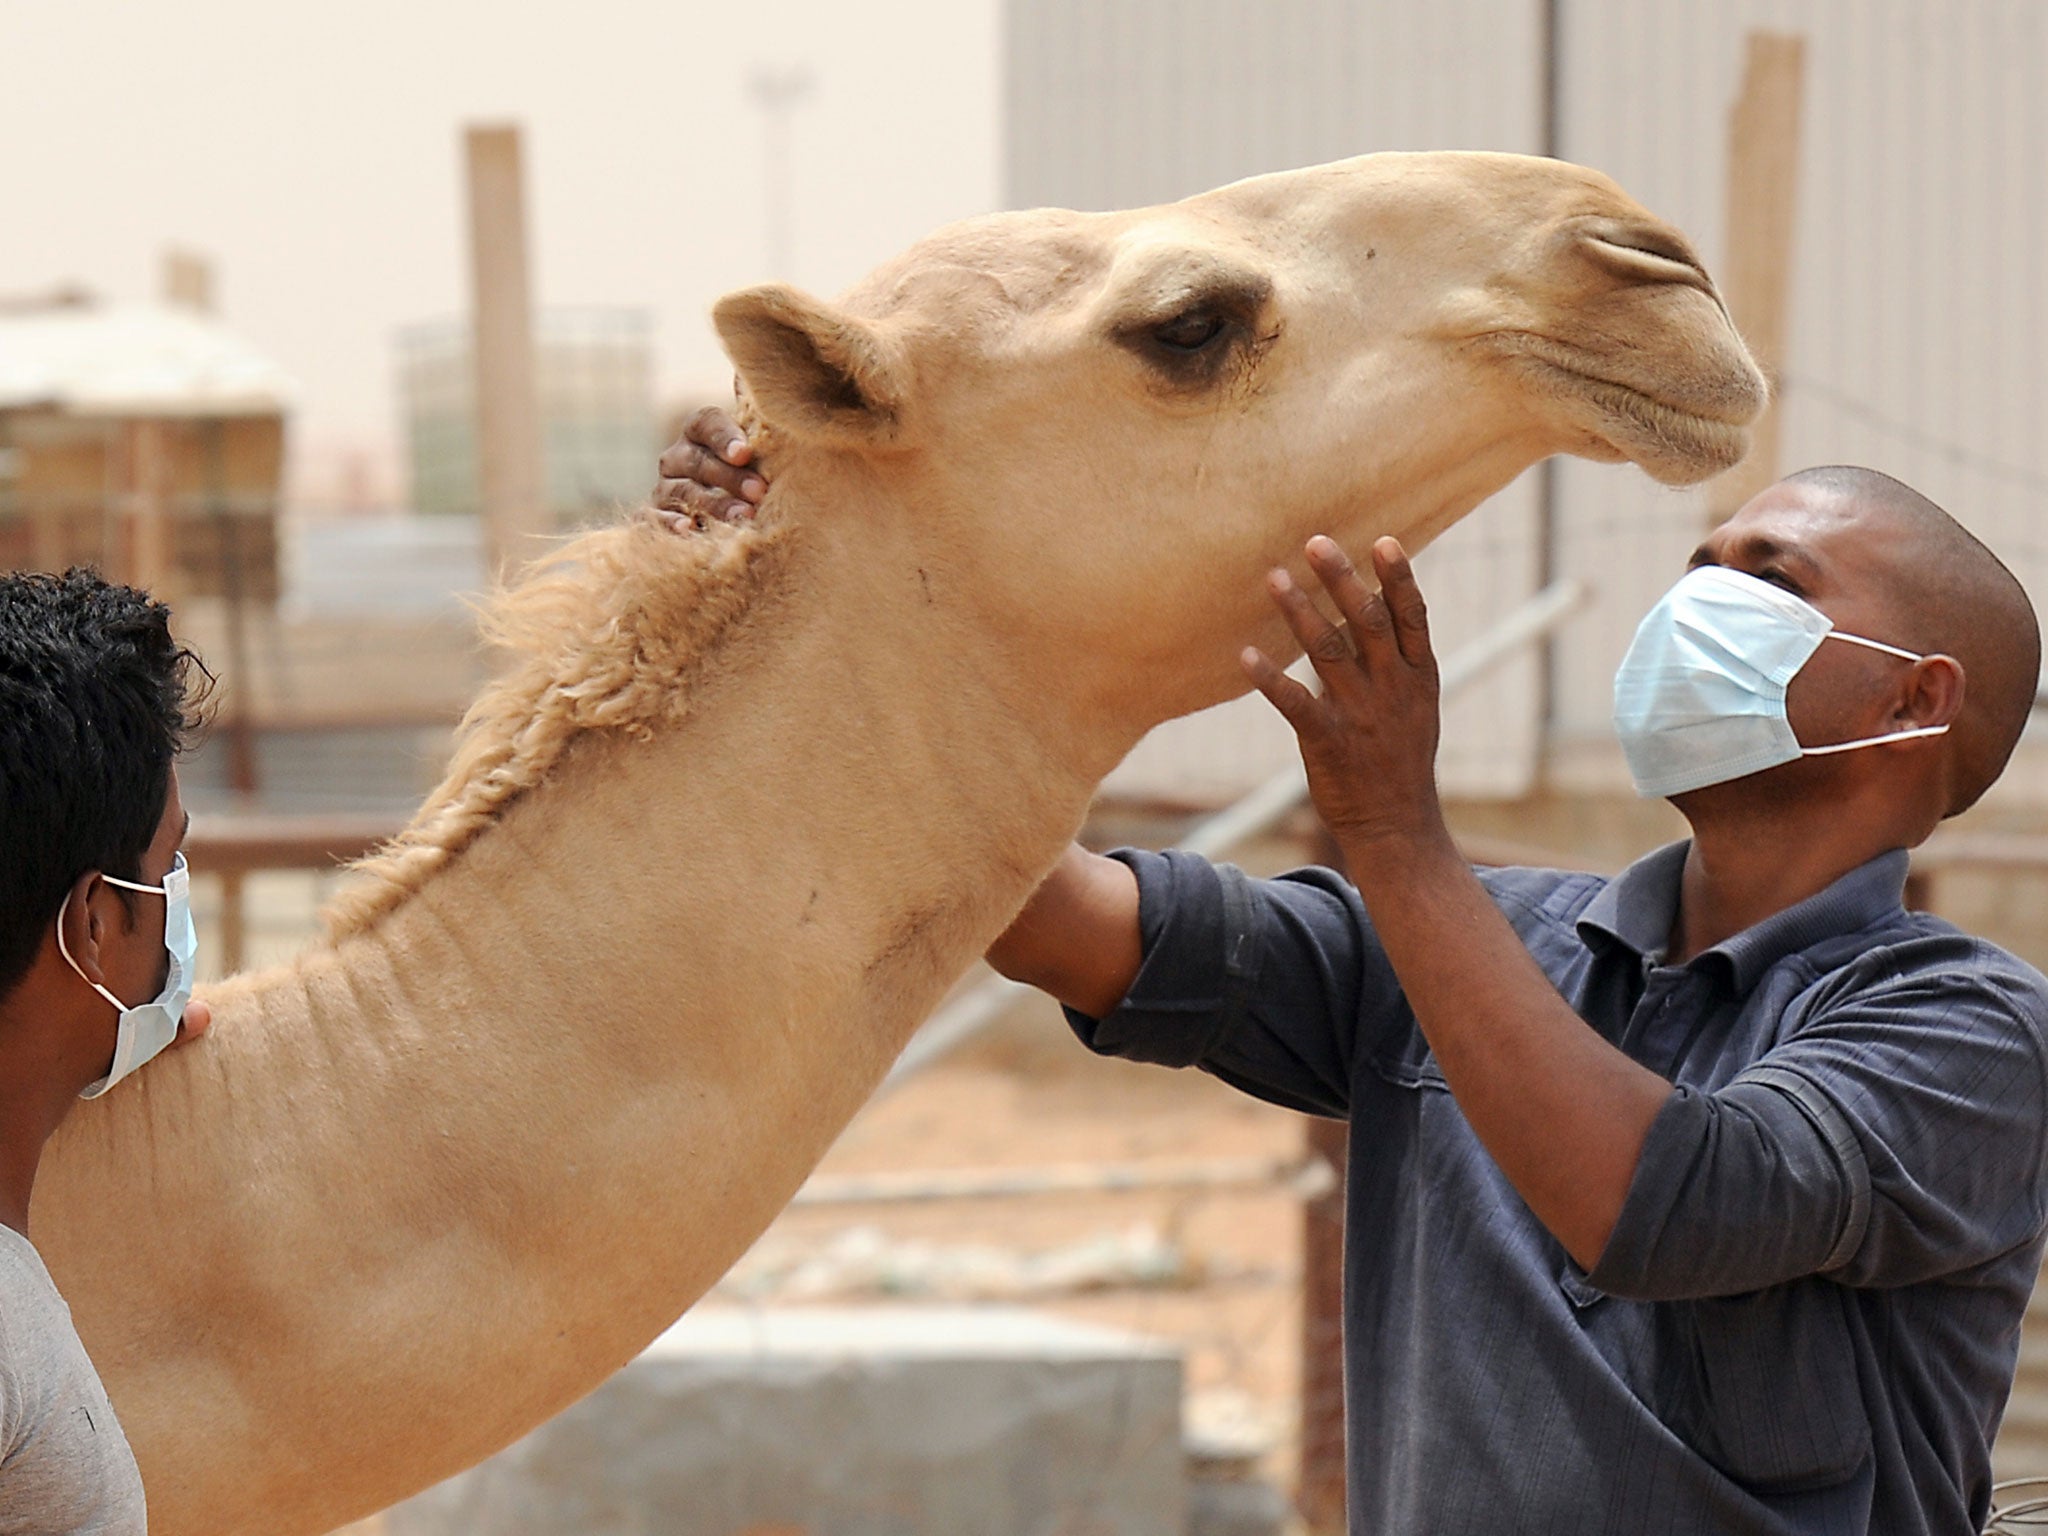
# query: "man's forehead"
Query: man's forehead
{"points": [[1804, 521]]}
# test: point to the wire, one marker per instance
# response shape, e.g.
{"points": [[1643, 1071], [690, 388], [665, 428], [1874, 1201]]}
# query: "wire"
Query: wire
{"points": [[1912, 436]]}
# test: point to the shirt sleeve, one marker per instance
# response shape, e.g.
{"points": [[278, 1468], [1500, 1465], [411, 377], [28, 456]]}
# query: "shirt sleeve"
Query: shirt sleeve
{"points": [[13, 1420], [1263, 983], [1896, 1135]]}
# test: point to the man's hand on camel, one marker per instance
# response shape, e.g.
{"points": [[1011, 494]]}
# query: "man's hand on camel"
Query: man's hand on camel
{"points": [[1369, 739], [709, 472]]}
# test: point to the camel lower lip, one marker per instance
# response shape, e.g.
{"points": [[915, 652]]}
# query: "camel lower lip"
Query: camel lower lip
{"points": [[1664, 434], [1603, 387]]}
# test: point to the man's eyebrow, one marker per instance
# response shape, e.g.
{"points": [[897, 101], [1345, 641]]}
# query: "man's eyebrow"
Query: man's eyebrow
{"points": [[1788, 552], [1759, 546]]}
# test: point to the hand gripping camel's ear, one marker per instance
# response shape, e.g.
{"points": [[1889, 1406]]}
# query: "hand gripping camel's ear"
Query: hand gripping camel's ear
{"points": [[812, 370]]}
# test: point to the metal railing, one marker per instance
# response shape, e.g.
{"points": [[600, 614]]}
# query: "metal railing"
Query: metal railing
{"points": [[233, 847]]}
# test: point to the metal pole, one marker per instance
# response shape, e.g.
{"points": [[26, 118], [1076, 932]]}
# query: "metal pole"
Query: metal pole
{"points": [[188, 281], [1551, 143], [926, 1186], [511, 480], [778, 93], [1320, 1483], [150, 562], [1763, 205]]}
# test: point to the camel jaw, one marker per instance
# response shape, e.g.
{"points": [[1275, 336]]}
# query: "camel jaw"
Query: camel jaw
{"points": [[1678, 441], [1673, 443]]}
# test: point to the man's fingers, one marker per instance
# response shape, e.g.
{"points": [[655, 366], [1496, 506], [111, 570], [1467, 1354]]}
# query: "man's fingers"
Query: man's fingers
{"points": [[713, 428], [691, 461], [1340, 578], [1403, 598], [687, 461], [1372, 628], [710, 428], [1323, 643], [693, 501], [1299, 706]]}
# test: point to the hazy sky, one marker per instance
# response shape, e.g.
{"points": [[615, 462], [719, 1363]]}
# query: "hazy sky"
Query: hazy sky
{"points": [[314, 154]]}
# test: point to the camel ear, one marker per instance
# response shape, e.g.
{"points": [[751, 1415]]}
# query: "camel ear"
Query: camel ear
{"points": [[811, 369]]}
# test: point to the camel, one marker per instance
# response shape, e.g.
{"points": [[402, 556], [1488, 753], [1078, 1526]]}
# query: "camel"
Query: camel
{"points": [[745, 801]]}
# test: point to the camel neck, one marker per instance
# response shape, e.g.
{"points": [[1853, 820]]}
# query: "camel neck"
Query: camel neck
{"points": [[642, 1002]]}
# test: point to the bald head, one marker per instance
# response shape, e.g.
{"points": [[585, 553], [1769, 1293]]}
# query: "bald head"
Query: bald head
{"points": [[1949, 594]]}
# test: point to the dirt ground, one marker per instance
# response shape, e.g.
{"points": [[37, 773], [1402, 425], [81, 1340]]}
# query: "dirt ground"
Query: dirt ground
{"points": [[1026, 1095]]}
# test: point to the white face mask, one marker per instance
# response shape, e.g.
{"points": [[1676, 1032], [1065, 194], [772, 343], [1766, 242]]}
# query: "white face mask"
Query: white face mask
{"points": [[1700, 696], [145, 1030]]}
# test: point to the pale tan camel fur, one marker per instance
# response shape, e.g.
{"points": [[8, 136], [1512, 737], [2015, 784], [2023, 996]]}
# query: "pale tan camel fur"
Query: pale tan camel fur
{"points": [[748, 800]]}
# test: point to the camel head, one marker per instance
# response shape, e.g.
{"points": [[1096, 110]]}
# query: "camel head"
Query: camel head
{"points": [[1097, 430]]}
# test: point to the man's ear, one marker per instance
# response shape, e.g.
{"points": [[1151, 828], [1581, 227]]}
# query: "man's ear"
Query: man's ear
{"points": [[813, 370], [84, 926], [1935, 692]]}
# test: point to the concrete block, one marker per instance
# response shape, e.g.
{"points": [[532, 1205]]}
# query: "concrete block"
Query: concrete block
{"points": [[859, 1422]]}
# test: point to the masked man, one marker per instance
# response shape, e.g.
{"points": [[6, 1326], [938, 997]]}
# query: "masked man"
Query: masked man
{"points": [[1703, 1199], [96, 967]]}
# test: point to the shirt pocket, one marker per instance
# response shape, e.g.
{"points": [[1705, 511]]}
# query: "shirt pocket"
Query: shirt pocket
{"points": [[1773, 1398]]}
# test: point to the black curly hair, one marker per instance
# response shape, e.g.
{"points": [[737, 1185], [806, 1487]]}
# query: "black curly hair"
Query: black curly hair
{"points": [[96, 700]]}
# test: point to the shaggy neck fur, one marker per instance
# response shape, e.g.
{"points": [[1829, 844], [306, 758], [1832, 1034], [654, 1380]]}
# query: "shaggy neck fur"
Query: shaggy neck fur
{"points": [[608, 634]]}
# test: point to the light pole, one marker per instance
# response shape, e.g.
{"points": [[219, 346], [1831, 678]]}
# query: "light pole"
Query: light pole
{"points": [[778, 91]]}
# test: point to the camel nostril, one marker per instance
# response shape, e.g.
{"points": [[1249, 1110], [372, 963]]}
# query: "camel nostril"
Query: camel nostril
{"points": [[1644, 253]]}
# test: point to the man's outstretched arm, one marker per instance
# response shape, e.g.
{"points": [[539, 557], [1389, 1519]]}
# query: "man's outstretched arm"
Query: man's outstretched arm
{"points": [[1563, 1112], [1077, 937]]}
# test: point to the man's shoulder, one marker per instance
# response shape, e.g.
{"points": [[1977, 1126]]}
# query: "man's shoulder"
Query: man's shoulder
{"points": [[64, 1462], [30, 1305], [1919, 962], [1913, 944], [35, 1335]]}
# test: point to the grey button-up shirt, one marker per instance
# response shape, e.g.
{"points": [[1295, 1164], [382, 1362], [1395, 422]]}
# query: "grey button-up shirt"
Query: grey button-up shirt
{"points": [[1808, 1315]]}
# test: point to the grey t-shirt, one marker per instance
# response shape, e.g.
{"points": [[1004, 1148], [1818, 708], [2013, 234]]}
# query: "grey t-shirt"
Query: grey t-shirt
{"points": [[65, 1466]]}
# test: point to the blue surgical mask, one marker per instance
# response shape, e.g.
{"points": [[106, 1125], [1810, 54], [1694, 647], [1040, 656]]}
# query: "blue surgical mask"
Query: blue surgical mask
{"points": [[146, 1030], [1700, 697]]}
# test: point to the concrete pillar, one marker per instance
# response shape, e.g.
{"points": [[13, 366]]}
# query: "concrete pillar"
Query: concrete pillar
{"points": [[511, 479], [188, 281], [1763, 200]]}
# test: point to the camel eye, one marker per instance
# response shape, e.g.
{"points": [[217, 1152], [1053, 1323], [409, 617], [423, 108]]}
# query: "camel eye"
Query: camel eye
{"points": [[1191, 331], [1209, 336]]}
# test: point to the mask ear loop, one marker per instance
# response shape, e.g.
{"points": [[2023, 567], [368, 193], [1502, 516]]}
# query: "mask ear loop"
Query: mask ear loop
{"points": [[1871, 741], [126, 885], [65, 950], [1875, 645]]}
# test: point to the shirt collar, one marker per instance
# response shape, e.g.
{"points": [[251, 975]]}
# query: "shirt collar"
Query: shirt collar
{"points": [[1636, 909]]}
